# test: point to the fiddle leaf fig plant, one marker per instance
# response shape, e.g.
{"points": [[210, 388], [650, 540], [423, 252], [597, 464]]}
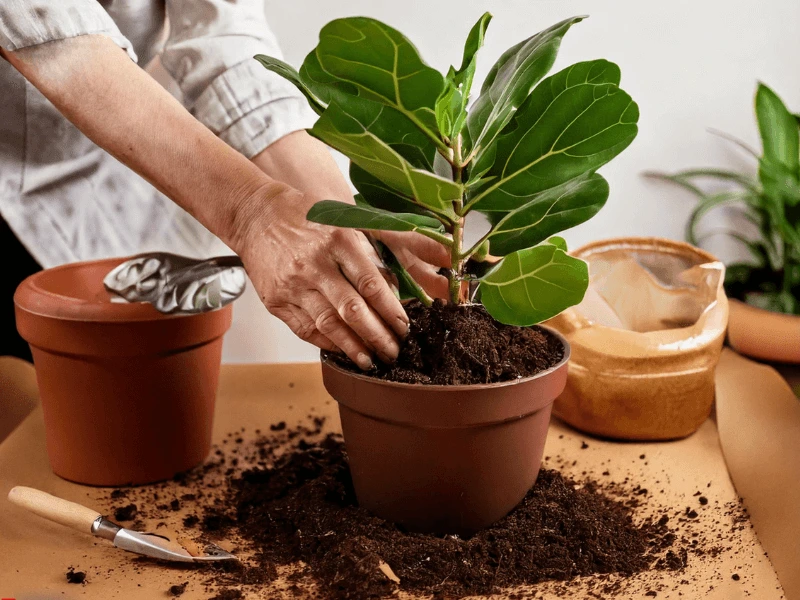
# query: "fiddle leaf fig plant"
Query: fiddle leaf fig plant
{"points": [[770, 201], [524, 154]]}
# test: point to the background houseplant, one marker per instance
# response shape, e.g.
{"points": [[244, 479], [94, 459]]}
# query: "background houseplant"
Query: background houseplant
{"points": [[455, 458], [770, 201]]}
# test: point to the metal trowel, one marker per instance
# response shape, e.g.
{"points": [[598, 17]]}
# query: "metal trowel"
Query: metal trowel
{"points": [[86, 520]]}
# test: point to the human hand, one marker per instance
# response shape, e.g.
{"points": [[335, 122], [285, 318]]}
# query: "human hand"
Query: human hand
{"points": [[320, 280], [421, 256]]}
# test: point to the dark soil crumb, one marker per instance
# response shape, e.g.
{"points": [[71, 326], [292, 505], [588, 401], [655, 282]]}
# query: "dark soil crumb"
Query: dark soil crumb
{"points": [[126, 513], [459, 345], [278, 426], [584, 445], [735, 577], [703, 500], [75, 576], [177, 590], [191, 520]]}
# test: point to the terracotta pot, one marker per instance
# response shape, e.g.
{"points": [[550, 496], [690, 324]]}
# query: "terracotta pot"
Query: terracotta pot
{"points": [[764, 334], [127, 392], [654, 380], [444, 459]]}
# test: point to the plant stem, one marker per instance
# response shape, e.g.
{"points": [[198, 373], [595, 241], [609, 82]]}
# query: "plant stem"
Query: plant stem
{"points": [[456, 263], [456, 259]]}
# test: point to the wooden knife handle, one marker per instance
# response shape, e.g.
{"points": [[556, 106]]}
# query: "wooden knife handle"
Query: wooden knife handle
{"points": [[58, 510]]}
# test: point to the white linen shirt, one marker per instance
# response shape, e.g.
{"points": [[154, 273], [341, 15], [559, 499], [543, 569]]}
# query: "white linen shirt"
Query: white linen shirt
{"points": [[66, 198]]}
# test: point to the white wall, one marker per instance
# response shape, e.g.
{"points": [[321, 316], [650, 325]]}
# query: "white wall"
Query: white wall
{"points": [[690, 65]]}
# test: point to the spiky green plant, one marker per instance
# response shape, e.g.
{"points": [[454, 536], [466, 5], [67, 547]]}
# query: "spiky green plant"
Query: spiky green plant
{"points": [[422, 160], [770, 200]]}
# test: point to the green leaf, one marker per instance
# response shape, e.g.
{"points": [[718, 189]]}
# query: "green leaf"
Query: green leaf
{"points": [[573, 122], [548, 212], [363, 56], [451, 106], [778, 127], [289, 73], [685, 178], [406, 286], [708, 203], [379, 195], [349, 129], [473, 44], [535, 284], [511, 80], [361, 216], [558, 242]]}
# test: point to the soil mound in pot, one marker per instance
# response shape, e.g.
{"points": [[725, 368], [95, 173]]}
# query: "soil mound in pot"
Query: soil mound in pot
{"points": [[463, 345]]}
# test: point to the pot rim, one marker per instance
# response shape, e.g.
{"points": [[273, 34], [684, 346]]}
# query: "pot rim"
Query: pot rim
{"points": [[33, 298], [643, 243], [461, 387]]}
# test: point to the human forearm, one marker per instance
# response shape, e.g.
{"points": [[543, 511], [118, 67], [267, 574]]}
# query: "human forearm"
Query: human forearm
{"points": [[122, 109]]}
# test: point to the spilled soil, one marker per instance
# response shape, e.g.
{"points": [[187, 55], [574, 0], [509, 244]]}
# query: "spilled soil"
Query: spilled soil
{"points": [[460, 345], [283, 501]]}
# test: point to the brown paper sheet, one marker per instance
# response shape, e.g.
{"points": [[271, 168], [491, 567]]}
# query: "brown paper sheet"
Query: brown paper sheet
{"points": [[35, 554], [759, 429]]}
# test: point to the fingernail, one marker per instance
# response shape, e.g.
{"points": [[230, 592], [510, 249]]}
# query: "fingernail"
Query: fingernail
{"points": [[364, 361], [404, 326], [391, 356]]}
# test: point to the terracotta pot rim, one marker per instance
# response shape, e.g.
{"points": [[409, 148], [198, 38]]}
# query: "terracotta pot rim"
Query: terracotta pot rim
{"points": [[458, 388], [644, 242], [35, 299]]}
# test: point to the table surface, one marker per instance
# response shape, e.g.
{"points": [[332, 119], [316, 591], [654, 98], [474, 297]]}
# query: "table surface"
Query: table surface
{"points": [[35, 554]]}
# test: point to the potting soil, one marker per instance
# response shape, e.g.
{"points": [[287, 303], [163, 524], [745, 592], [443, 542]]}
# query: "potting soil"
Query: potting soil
{"points": [[460, 345], [283, 501]]}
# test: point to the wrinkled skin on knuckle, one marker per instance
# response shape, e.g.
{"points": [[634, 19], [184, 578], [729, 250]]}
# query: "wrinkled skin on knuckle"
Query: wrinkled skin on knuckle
{"points": [[327, 322], [370, 285], [353, 309]]}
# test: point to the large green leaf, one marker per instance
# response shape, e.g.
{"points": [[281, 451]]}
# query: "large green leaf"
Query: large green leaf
{"points": [[340, 214], [288, 72], [364, 56], [349, 129], [451, 106], [548, 212], [511, 80], [573, 122], [376, 193], [535, 284], [778, 127]]}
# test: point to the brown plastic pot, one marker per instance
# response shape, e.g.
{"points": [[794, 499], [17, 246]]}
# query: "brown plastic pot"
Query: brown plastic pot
{"points": [[127, 392], [444, 459]]}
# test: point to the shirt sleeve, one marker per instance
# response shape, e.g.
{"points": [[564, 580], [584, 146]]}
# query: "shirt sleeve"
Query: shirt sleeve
{"points": [[210, 52], [25, 23]]}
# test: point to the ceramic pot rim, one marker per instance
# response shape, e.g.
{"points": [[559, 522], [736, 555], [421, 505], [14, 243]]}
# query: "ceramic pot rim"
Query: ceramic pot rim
{"points": [[457, 388], [644, 243]]}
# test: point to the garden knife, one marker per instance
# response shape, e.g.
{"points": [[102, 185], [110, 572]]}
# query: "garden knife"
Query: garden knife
{"points": [[86, 520]]}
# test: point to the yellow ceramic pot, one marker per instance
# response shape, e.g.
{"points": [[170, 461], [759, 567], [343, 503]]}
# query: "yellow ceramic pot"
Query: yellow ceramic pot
{"points": [[764, 334], [645, 340]]}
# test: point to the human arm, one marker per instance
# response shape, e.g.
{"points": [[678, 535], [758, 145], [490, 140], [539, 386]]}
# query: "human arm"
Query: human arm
{"points": [[95, 85]]}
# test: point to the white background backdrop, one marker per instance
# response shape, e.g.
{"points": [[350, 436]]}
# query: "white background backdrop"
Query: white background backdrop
{"points": [[690, 64]]}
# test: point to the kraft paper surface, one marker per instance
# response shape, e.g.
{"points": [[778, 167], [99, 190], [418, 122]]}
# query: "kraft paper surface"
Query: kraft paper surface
{"points": [[35, 554]]}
